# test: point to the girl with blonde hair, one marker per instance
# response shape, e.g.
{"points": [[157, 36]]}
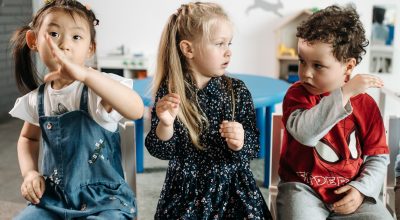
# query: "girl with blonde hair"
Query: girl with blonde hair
{"points": [[203, 121]]}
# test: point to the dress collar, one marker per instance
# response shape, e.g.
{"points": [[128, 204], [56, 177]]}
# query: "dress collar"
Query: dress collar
{"points": [[213, 87]]}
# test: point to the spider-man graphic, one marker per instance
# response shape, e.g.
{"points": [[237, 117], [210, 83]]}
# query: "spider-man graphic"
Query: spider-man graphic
{"points": [[337, 160]]}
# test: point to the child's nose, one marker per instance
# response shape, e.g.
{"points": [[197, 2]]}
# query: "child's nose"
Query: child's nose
{"points": [[228, 52], [306, 73], [64, 44]]}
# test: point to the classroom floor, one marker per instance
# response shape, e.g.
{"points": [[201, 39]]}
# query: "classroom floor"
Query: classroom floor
{"points": [[149, 183]]}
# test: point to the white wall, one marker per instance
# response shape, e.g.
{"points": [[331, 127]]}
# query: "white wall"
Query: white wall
{"points": [[138, 25]]}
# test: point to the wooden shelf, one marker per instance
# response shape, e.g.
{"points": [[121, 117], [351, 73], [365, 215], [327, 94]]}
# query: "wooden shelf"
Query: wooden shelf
{"points": [[288, 58]]}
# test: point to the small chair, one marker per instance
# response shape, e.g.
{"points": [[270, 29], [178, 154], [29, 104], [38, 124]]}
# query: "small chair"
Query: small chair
{"points": [[393, 131], [392, 125], [128, 152], [276, 146]]}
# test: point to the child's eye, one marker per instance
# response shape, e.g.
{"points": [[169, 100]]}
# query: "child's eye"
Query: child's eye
{"points": [[220, 44], [301, 61], [77, 37], [317, 66], [54, 34]]}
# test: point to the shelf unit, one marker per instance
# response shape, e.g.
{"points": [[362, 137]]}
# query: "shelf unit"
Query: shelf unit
{"points": [[286, 36], [134, 67], [381, 58]]}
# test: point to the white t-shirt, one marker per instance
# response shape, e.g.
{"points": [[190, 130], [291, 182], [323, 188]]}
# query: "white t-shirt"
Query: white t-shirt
{"points": [[67, 99]]}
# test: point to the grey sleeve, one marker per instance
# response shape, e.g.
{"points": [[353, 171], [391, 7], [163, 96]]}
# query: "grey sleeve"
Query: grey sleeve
{"points": [[309, 126], [373, 172]]}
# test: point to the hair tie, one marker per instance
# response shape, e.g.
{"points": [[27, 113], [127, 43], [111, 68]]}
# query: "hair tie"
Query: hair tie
{"points": [[87, 6], [96, 22]]}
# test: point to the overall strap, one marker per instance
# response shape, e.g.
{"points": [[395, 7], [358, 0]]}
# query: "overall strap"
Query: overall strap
{"points": [[84, 99], [40, 100]]}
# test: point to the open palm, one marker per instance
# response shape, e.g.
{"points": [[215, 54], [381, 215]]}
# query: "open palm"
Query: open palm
{"points": [[67, 69]]}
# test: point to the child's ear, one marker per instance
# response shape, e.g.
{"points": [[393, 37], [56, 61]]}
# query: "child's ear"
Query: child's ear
{"points": [[92, 50], [350, 65], [30, 37], [186, 48]]}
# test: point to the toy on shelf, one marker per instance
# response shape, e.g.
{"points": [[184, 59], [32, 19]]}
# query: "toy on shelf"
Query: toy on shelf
{"points": [[286, 51]]}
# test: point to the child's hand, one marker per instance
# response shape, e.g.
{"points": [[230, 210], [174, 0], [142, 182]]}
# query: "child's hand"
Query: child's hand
{"points": [[167, 108], [350, 202], [67, 69], [359, 84], [33, 187], [233, 133]]}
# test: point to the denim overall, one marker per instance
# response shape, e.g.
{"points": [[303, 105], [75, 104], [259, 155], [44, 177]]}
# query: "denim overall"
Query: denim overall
{"points": [[82, 169]]}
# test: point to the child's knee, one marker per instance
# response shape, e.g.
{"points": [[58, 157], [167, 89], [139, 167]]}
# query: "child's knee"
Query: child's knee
{"points": [[34, 212]]}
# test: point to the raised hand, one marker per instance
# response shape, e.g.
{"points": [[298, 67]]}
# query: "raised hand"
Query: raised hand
{"points": [[233, 133], [33, 187], [167, 108], [66, 68], [350, 202], [360, 83]]}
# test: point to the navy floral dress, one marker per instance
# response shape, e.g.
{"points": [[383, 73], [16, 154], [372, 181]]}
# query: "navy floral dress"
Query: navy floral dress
{"points": [[214, 183]]}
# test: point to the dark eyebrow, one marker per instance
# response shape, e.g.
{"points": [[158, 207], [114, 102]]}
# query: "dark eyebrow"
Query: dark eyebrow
{"points": [[58, 26], [54, 24]]}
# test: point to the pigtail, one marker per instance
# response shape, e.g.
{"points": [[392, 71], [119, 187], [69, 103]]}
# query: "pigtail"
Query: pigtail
{"points": [[25, 71], [173, 69]]}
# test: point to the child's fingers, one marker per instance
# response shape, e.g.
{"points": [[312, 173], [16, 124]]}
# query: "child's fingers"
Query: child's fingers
{"points": [[37, 189], [230, 135], [229, 130], [52, 76], [378, 83], [165, 105], [54, 48], [171, 98], [42, 186], [234, 144], [29, 193], [230, 124], [343, 202], [175, 96], [342, 189], [29, 198]]}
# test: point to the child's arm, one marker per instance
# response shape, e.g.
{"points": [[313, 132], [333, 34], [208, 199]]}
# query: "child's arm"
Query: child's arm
{"points": [[167, 109], [115, 96], [244, 139], [307, 127], [33, 186], [161, 140], [368, 183]]}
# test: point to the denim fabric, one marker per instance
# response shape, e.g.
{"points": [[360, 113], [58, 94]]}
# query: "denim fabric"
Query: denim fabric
{"points": [[82, 168]]}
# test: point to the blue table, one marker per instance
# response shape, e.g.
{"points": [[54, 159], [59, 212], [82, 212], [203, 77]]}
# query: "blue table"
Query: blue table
{"points": [[266, 92]]}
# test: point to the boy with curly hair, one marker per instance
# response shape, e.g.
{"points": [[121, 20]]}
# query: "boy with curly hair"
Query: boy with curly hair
{"points": [[334, 156]]}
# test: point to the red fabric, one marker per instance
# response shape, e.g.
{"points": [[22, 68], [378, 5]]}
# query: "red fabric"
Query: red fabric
{"points": [[304, 164]]}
